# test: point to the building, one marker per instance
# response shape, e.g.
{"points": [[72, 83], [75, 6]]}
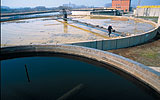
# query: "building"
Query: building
{"points": [[121, 5], [151, 11], [105, 11]]}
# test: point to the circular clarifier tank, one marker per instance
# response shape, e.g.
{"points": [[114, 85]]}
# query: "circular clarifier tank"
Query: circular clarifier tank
{"points": [[67, 78], [76, 29]]}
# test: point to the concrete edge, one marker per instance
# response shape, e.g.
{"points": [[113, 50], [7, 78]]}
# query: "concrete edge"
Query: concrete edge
{"points": [[135, 69], [145, 35]]}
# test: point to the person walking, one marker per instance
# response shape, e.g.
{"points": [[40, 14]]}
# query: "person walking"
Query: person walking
{"points": [[110, 29], [64, 14]]}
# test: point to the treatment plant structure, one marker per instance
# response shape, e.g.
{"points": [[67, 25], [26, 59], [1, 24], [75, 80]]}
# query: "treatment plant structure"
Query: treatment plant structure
{"points": [[92, 44]]}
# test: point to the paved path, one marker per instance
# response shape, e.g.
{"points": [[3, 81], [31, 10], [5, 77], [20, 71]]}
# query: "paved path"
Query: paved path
{"points": [[155, 68]]}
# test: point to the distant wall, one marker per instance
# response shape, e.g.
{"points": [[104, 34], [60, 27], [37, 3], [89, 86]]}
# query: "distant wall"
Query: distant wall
{"points": [[159, 20], [153, 11], [81, 12], [122, 42], [159, 24]]}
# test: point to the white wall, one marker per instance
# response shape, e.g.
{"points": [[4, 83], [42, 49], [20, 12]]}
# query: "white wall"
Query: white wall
{"points": [[159, 20], [147, 12], [81, 12]]}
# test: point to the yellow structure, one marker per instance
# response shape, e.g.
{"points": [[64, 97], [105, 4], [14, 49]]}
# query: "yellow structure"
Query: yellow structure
{"points": [[153, 6]]}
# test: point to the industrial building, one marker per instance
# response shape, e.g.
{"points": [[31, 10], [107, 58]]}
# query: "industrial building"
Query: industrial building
{"points": [[123, 5], [151, 11], [105, 11]]}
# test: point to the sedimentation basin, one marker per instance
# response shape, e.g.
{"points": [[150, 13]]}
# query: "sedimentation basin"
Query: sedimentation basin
{"points": [[90, 31]]}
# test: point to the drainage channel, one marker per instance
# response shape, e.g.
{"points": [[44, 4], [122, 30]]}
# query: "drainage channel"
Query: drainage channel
{"points": [[92, 32], [94, 29]]}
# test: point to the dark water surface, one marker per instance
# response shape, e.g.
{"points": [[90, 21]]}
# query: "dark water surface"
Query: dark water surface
{"points": [[54, 77]]}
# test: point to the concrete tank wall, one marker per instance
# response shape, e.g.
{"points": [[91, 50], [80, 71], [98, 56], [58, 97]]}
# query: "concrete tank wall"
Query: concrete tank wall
{"points": [[118, 43], [122, 42], [137, 70]]}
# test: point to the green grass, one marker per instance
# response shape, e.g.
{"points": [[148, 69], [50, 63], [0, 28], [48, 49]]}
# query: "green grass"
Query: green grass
{"points": [[155, 19], [151, 54]]}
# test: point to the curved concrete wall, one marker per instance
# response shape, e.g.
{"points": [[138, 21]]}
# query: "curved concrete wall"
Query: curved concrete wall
{"points": [[139, 71], [122, 42]]}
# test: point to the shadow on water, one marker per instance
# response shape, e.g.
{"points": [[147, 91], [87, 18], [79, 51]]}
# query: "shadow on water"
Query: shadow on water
{"points": [[115, 70], [81, 94]]}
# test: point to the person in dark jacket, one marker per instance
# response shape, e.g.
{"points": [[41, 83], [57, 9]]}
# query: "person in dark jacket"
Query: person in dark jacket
{"points": [[110, 29], [64, 14]]}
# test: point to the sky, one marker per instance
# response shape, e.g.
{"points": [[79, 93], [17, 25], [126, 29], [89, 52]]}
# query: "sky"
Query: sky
{"points": [[56, 3]]}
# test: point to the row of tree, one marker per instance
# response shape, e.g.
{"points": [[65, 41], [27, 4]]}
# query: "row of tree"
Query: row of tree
{"points": [[5, 9]]}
